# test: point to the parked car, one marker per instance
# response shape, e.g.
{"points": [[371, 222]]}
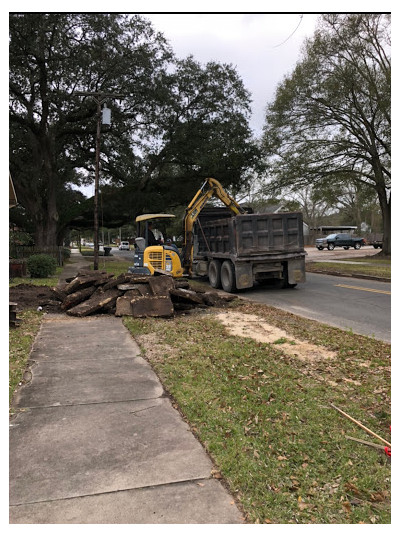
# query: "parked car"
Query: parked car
{"points": [[342, 240], [124, 245]]}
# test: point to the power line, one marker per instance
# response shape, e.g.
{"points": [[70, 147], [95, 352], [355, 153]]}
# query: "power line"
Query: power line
{"points": [[294, 31]]}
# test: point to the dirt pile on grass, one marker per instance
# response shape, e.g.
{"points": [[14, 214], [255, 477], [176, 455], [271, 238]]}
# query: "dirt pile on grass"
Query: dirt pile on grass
{"points": [[28, 296]]}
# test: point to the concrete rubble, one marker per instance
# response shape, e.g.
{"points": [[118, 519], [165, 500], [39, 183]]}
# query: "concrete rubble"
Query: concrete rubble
{"points": [[131, 295]]}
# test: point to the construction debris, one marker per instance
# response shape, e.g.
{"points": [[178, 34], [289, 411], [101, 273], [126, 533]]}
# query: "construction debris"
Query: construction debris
{"points": [[131, 295]]}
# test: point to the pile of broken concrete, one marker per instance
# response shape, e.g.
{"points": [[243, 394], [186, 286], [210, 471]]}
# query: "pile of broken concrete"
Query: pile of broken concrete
{"points": [[94, 292]]}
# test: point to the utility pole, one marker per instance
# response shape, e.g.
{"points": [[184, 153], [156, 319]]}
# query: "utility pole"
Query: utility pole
{"points": [[99, 98]]}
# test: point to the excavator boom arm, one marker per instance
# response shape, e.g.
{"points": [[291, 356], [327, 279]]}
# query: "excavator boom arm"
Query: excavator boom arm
{"points": [[210, 188]]}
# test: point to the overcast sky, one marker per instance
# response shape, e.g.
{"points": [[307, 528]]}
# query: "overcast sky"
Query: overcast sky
{"points": [[262, 47]]}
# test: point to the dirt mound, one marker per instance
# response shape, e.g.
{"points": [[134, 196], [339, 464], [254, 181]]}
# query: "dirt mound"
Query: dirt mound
{"points": [[32, 296]]}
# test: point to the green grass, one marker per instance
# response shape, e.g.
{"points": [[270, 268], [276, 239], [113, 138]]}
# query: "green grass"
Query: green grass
{"points": [[373, 270], [265, 418], [20, 343], [375, 259], [50, 281], [116, 267]]}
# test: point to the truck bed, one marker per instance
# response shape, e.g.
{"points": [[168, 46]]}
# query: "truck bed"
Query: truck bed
{"points": [[250, 235]]}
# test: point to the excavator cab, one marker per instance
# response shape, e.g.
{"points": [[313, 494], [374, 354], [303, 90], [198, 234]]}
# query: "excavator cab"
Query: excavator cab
{"points": [[148, 259]]}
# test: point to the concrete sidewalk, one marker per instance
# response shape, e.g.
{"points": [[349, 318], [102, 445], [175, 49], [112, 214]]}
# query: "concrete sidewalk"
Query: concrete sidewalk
{"points": [[95, 439]]}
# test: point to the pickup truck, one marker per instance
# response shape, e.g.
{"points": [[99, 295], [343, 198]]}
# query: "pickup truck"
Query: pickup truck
{"points": [[342, 240]]}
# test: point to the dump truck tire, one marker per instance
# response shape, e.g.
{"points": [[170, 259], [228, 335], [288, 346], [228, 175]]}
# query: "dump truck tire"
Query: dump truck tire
{"points": [[228, 278], [214, 273]]}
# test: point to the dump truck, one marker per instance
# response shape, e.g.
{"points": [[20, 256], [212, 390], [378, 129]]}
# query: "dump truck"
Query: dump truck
{"points": [[234, 252], [238, 251]]}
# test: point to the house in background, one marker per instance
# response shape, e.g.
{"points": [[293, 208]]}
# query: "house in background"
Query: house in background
{"points": [[325, 230]]}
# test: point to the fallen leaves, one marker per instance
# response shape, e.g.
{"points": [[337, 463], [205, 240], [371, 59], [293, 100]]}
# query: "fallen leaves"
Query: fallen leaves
{"points": [[379, 496], [346, 506], [215, 473], [295, 484], [303, 505], [352, 488]]}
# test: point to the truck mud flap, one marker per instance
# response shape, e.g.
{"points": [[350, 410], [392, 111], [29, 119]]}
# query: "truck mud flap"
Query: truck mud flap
{"points": [[244, 275], [296, 271]]}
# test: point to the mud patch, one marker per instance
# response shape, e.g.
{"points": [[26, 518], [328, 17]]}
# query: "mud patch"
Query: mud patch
{"points": [[254, 327], [28, 296]]}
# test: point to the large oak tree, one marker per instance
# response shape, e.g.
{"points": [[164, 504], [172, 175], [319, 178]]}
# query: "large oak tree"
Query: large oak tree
{"points": [[177, 123], [330, 121], [52, 57]]}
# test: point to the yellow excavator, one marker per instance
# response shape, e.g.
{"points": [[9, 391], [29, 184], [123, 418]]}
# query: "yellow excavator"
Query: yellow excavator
{"points": [[148, 259]]}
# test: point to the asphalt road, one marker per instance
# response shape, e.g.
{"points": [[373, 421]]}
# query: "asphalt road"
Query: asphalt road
{"points": [[360, 305]]}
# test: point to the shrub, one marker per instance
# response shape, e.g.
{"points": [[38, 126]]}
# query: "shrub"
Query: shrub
{"points": [[41, 265], [66, 253]]}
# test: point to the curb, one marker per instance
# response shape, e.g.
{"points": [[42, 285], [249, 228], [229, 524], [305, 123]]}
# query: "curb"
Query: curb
{"points": [[356, 276]]}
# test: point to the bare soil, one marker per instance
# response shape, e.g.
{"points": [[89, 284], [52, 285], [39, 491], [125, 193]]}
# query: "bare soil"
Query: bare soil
{"points": [[252, 326], [32, 296]]}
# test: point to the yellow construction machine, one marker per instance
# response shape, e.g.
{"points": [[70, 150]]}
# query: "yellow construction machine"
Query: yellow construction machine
{"points": [[235, 253], [148, 259]]}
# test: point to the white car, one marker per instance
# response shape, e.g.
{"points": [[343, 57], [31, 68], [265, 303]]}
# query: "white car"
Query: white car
{"points": [[124, 245]]}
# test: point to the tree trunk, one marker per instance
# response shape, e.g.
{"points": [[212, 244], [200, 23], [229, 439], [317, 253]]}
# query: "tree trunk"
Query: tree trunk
{"points": [[386, 217], [46, 222], [385, 204], [46, 233]]}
